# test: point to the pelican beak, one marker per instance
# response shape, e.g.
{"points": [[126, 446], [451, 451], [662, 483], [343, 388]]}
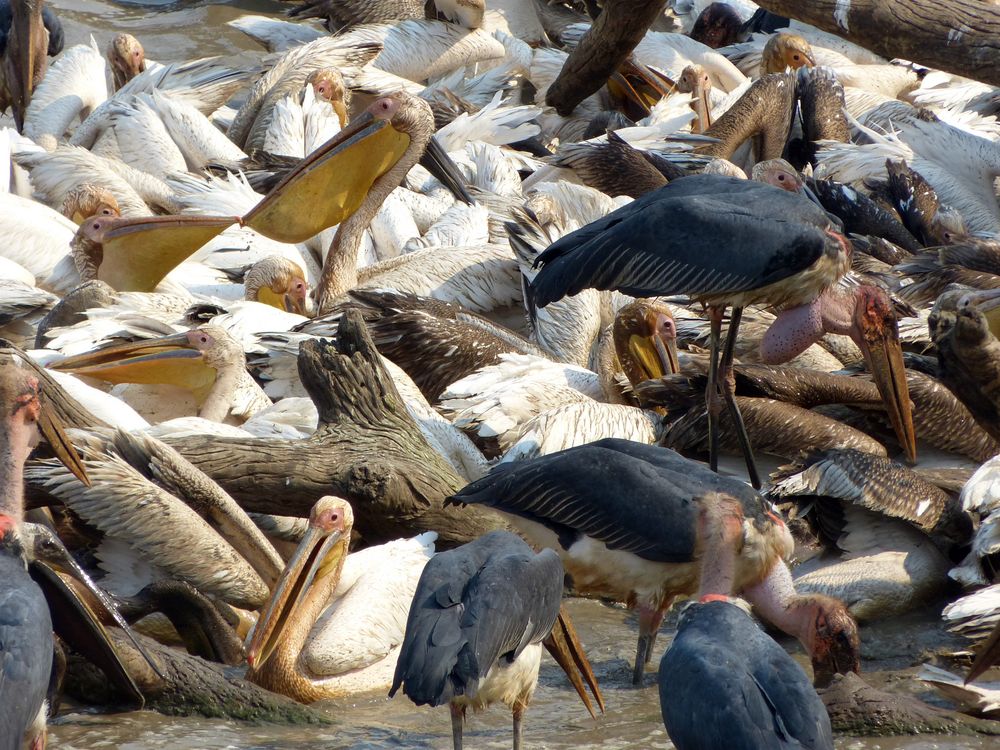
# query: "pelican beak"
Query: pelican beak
{"points": [[55, 435], [331, 183], [296, 300], [877, 335], [564, 646], [318, 555], [989, 654], [641, 85], [28, 33], [436, 161], [656, 354], [48, 549], [134, 255], [174, 360]]}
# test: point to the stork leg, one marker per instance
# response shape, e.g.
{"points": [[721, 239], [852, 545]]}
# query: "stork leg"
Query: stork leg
{"points": [[457, 719], [727, 386], [518, 713], [649, 625], [712, 402]]}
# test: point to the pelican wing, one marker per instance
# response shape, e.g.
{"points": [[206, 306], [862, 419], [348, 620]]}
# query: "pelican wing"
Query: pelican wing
{"points": [[701, 235]]}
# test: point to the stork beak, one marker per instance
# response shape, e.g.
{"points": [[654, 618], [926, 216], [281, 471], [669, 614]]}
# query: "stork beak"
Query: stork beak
{"points": [[318, 555], [173, 360], [48, 548], [563, 645], [989, 654], [331, 183], [55, 435], [879, 342], [436, 161], [136, 254], [26, 28]]}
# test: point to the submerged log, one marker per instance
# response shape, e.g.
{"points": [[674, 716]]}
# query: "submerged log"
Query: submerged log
{"points": [[959, 36], [193, 687], [366, 449], [857, 708]]}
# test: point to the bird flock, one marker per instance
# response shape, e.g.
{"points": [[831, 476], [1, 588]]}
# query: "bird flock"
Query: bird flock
{"points": [[348, 360]]}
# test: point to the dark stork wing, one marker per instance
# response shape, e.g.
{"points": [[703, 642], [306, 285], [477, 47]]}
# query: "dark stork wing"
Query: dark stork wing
{"points": [[702, 235], [25, 650], [714, 694], [628, 503], [471, 606]]}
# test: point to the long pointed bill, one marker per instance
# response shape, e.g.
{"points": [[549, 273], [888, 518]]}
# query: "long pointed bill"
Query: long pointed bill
{"points": [[171, 360], [563, 645], [48, 548], [28, 39], [988, 303], [656, 355], [989, 654], [318, 554], [138, 253], [331, 183], [54, 434], [76, 624], [436, 161], [880, 345]]}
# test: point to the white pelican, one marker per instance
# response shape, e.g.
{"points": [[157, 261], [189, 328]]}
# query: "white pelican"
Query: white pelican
{"points": [[335, 622]]}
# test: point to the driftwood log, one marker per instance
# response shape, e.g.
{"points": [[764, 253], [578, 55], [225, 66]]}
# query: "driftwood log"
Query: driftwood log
{"points": [[611, 39], [366, 449], [856, 708], [194, 687], [959, 36]]}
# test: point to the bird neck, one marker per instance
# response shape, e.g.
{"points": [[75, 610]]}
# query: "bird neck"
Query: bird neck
{"points": [[765, 110], [219, 400], [340, 270], [775, 600], [283, 673], [720, 528], [15, 446]]}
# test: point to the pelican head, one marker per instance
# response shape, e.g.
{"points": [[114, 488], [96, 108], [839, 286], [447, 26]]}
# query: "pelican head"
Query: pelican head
{"points": [[785, 50], [314, 570], [874, 330], [88, 200], [25, 59], [278, 282], [696, 81], [328, 85], [467, 13], [126, 58], [779, 173], [336, 180], [645, 336], [134, 255], [193, 360], [26, 419]]}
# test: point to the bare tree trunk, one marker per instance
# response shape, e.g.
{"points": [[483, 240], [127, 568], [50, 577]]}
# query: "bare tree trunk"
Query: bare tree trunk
{"points": [[366, 449], [959, 36], [617, 30], [193, 687]]}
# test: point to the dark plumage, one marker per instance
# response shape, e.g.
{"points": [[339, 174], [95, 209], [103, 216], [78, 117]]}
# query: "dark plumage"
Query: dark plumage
{"points": [[704, 235], [725, 684], [25, 646], [475, 628]]}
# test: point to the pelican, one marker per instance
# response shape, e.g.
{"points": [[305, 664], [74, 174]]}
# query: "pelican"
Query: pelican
{"points": [[206, 361], [334, 624], [475, 629], [622, 516], [126, 58]]}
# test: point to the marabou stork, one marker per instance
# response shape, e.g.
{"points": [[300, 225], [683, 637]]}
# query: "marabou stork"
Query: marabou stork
{"points": [[476, 628], [623, 517], [25, 623], [725, 241], [759, 697]]}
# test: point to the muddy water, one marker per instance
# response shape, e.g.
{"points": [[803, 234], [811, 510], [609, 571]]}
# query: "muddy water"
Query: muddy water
{"points": [[556, 719]]}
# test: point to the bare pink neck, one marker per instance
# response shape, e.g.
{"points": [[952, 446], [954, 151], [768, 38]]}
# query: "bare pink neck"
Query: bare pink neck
{"points": [[775, 600], [15, 446], [720, 527]]}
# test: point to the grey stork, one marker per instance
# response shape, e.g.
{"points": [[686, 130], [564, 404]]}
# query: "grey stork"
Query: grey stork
{"points": [[725, 241], [623, 517], [476, 627]]}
